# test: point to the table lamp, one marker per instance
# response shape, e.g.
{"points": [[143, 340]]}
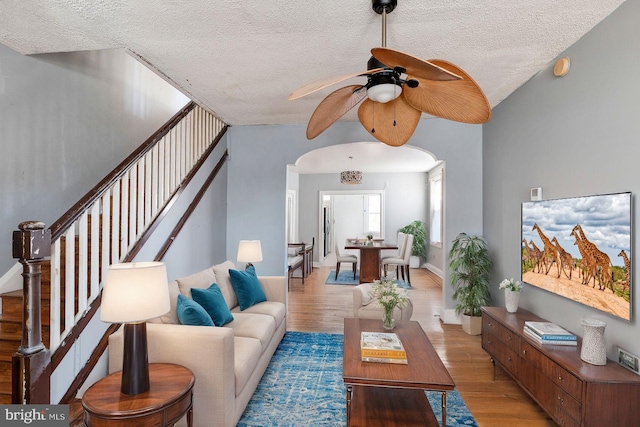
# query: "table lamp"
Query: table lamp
{"points": [[249, 251], [134, 293]]}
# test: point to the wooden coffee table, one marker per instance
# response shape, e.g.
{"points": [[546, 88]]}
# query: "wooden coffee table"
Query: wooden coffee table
{"points": [[394, 394]]}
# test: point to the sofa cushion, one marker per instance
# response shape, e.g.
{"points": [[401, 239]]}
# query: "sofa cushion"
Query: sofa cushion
{"points": [[191, 313], [247, 352], [221, 272], [200, 280], [274, 309], [213, 302], [259, 326], [172, 316], [247, 287]]}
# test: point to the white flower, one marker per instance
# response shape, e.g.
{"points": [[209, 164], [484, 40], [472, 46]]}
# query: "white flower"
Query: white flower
{"points": [[388, 294], [511, 284]]}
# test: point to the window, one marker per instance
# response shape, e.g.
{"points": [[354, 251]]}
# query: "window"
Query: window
{"points": [[435, 211], [372, 214]]}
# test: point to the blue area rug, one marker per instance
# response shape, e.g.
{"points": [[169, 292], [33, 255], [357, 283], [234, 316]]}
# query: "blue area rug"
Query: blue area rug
{"points": [[346, 278], [303, 386]]}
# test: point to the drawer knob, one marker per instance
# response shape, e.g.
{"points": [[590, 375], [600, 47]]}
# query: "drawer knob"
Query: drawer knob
{"points": [[509, 358], [559, 377], [509, 337], [524, 351]]}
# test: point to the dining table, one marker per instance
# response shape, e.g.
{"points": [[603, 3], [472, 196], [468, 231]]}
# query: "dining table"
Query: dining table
{"points": [[369, 256]]}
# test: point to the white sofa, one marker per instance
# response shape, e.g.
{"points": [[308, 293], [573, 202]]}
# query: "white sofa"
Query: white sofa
{"points": [[229, 361]]}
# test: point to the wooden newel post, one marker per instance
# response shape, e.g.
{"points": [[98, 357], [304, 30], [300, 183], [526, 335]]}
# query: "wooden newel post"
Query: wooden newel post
{"points": [[30, 372]]}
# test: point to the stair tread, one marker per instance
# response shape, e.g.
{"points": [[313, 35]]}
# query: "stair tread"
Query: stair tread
{"points": [[15, 294], [11, 335], [10, 318]]}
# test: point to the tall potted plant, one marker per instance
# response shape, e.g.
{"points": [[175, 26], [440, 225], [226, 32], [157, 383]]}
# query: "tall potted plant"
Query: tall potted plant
{"points": [[470, 265], [419, 248]]}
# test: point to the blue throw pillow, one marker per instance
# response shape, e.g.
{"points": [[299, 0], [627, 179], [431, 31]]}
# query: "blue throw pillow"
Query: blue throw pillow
{"points": [[247, 287], [191, 313], [213, 302]]}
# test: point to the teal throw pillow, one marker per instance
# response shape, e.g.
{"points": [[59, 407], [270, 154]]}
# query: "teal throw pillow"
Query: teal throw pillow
{"points": [[213, 302], [191, 313], [247, 287]]}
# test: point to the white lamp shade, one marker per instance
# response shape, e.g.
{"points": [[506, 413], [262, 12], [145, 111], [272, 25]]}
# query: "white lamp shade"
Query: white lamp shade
{"points": [[384, 92], [249, 251], [135, 292]]}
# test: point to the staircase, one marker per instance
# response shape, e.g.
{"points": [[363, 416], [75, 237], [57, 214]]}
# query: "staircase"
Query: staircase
{"points": [[127, 204]]}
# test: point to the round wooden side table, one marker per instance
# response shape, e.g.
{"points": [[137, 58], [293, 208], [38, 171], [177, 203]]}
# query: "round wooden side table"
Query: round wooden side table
{"points": [[169, 398]]}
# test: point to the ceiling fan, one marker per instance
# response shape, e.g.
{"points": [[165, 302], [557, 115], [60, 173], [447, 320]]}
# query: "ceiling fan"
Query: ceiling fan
{"points": [[399, 88]]}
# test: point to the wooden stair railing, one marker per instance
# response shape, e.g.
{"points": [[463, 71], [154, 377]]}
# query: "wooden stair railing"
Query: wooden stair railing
{"points": [[127, 205]]}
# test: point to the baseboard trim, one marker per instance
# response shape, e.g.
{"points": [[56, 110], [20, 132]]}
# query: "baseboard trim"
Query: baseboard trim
{"points": [[449, 317], [435, 270]]}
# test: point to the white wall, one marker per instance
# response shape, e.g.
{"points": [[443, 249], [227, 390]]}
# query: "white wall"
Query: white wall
{"points": [[572, 136], [66, 120], [405, 200]]}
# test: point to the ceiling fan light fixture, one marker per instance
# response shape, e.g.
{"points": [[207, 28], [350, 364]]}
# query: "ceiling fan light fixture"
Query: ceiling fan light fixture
{"points": [[384, 92]]}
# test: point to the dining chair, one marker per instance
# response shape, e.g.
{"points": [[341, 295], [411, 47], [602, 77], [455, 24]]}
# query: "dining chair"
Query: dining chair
{"points": [[348, 258], [397, 253], [401, 262]]}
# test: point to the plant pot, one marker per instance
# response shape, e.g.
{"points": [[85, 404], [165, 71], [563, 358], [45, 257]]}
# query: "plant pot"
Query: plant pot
{"points": [[414, 262], [472, 324], [511, 300]]}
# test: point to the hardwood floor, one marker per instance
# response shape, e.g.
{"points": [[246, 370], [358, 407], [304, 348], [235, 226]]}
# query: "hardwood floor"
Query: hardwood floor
{"points": [[494, 399]]}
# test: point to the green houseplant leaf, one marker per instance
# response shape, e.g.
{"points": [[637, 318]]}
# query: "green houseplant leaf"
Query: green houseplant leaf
{"points": [[419, 231], [470, 265]]}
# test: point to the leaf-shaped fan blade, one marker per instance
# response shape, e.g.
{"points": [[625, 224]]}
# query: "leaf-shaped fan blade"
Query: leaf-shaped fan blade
{"points": [[392, 123], [321, 84], [334, 106], [415, 66], [461, 100]]}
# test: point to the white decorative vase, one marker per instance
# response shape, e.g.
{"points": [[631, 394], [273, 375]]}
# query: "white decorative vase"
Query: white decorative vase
{"points": [[511, 300], [594, 350]]}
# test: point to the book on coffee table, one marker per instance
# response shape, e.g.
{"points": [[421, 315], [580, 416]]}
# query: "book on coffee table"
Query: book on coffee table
{"points": [[382, 347]]}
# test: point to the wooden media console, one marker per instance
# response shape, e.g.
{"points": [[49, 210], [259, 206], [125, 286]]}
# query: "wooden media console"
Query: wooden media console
{"points": [[571, 391]]}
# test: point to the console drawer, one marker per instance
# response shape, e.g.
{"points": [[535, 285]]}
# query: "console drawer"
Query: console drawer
{"points": [[500, 332], [567, 405], [500, 352], [536, 358], [569, 383]]}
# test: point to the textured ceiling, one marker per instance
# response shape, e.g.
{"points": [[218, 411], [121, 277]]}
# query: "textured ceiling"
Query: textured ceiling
{"points": [[242, 58]]}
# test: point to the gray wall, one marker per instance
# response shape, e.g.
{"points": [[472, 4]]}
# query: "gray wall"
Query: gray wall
{"points": [[66, 120], [405, 199], [257, 187], [572, 136]]}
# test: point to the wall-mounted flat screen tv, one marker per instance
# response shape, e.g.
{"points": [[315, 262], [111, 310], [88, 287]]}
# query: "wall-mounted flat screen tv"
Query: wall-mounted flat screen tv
{"points": [[580, 248]]}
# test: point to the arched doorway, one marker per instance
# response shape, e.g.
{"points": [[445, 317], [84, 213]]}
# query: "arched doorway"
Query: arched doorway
{"points": [[382, 167]]}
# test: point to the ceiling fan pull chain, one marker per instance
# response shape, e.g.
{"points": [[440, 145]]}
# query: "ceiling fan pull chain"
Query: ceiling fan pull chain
{"points": [[373, 117], [395, 105]]}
